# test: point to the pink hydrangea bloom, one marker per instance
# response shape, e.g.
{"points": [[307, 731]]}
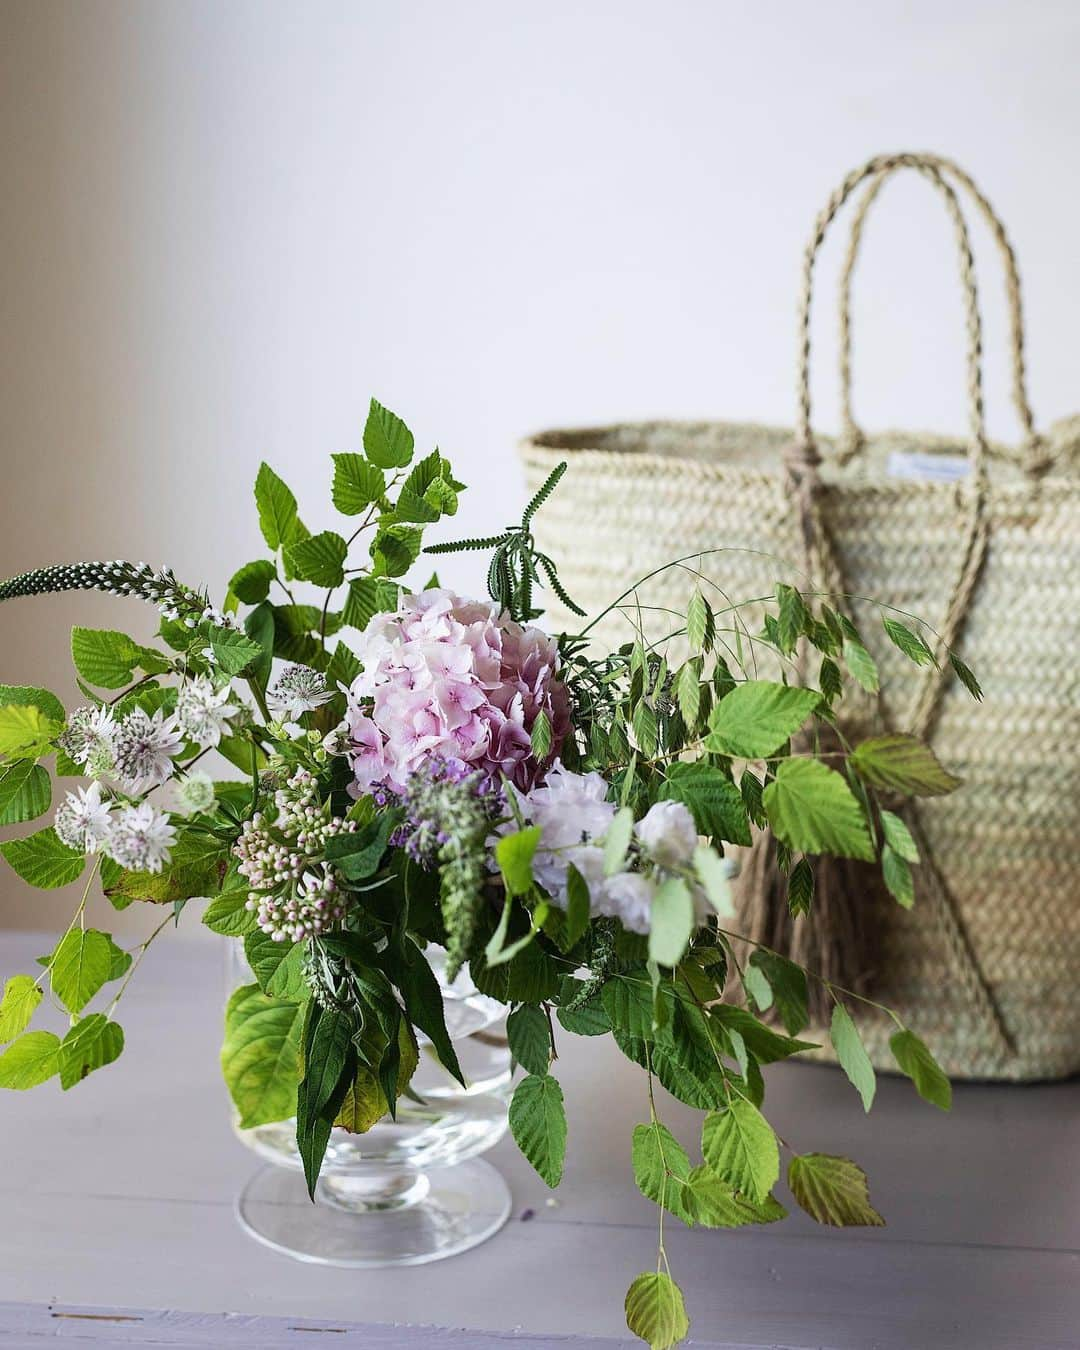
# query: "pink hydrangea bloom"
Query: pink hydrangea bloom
{"points": [[456, 680]]}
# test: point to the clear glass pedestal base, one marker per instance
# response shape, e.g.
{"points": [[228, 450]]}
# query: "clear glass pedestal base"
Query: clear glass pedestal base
{"points": [[435, 1213]]}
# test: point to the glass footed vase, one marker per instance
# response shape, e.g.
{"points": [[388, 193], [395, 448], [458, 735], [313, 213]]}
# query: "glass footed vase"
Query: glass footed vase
{"points": [[410, 1190]]}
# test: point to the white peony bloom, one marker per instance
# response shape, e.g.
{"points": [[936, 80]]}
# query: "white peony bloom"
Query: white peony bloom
{"points": [[83, 820], [628, 897], [145, 748], [298, 690], [668, 834], [140, 838], [203, 712]]}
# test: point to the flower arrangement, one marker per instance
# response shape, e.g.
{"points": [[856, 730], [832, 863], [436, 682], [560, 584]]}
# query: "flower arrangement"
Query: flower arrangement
{"points": [[555, 817]]}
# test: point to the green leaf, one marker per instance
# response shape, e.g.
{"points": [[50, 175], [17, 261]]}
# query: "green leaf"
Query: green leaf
{"points": [[33, 1059], [25, 792], [314, 1122], [897, 876], [103, 657], [787, 985], [902, 763], [688, 694], [758, 717], [899, 837], [425, 1005], [800, 888], [233, 651], [645, 730], [911, 644], [278, 518], [739, 1145], [763, 1043], [362, 602], [278, 966], [357, 484], [25, 731], [966, 676], [617, 841], [80, 966], [578, 906], [661, 1168], [655, 1311], [514, 853], [581, 1018], [793, 618], [48, 703], [833, 1191], [541, 736], [829, 680], [538, 1124], [713, 873], [21, 997], [319, 559], [251, 584], [91, 1043], [852, 1055], [699, 622], [396, 548], [914, 1059], [260, 1058], [712, 798], [714, 1204], [259, 627], [812, 809], [388, 442], [229, 915], [861, 665], [43, 861], [529, 1036], [672, 922]]}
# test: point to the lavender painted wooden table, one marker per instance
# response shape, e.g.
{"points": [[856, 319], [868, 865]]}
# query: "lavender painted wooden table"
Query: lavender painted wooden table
{"points": [[116, 1221]]}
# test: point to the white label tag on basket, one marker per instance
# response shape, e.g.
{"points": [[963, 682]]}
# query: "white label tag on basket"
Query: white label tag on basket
{"points": [[913, 464]]}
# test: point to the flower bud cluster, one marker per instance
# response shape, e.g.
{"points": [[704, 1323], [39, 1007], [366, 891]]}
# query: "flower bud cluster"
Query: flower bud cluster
{"points": [[312, 906]]}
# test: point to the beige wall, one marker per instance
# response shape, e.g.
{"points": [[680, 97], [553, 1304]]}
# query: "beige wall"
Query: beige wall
{"points": [[223, 225]]}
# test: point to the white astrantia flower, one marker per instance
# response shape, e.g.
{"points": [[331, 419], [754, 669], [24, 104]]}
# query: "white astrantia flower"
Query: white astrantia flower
{"points": [[144, 749], [195, 793], [668, 834], [203, 713], [297, 690], [140, 838], [83, 820], [89, 739]]}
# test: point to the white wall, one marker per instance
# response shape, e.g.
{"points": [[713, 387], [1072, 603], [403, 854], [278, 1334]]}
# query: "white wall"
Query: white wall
{"points": [[225, 223]]}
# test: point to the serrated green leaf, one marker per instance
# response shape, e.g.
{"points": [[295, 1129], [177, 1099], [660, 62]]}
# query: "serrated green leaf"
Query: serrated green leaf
{"points": [[800, 889], [361, 604], [739, 1145], [714, 1204], [645, 730], [21, 997], [899, 837], [911, 644], [80, 966], [655, 1311], [714, 875], [902, 763], [104, 657], [712, 798], [914, 1059], [25, 731], [278, 966], [234, 652], [671, 923], [31, 1060], [43, 861], [251, 584], [91, 1043], [529, 1037], [357, 484], [538, 1124], [278, 519], [48, 703], [829, 680], [396, 548], [812, 809], [260, 1058], [514, 853], [832, 1190], [578, 906], [229, 915], [757, 987], [698, 622], [25, 792], [896, 874], [758, 717], [661, 1168], [388, 442], [852, 1056], [793, 618], [319, 559], [688, 695]]}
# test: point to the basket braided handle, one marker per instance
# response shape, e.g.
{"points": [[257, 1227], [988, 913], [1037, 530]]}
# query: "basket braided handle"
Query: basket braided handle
{"points": [[1033, 456], [806, 449]]}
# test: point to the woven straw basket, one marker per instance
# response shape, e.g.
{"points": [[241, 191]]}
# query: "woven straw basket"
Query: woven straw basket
{"points": [[985, 966]]}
